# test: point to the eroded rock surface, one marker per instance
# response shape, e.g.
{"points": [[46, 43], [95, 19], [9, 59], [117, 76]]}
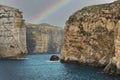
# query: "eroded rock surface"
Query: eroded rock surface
{"points": [[92, 36], [44, 38], [12, 33]]}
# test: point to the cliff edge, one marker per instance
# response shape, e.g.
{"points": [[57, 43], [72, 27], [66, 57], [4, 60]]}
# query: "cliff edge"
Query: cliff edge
{"points": [[92, 36]]}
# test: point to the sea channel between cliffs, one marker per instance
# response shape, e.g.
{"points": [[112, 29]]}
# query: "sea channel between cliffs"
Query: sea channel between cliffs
{"points": [[91, 37]]}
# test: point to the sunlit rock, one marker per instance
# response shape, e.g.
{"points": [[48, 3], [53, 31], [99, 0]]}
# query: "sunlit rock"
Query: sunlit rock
{"points": [[12, 33], [92, 35]]}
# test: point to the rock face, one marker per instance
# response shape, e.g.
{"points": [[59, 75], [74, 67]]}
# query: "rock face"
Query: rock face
{"points": [[44, 38], [92, 36], [12, 33]]}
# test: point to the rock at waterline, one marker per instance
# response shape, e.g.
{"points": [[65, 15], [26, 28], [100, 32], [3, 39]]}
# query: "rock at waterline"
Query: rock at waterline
{"points": [[54, 58]]}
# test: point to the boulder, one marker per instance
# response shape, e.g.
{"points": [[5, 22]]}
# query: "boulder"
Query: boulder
{"points": [[54, 58]]}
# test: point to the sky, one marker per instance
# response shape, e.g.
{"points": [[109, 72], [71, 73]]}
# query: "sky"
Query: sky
{"points": [[54, 12]]}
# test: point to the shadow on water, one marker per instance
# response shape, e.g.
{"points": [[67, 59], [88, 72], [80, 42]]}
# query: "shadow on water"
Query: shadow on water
{"points": [[84, 72], [11, 69]]}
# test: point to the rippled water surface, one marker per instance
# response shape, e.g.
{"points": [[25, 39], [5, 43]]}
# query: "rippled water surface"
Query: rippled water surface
{"points": [[38, 67]]}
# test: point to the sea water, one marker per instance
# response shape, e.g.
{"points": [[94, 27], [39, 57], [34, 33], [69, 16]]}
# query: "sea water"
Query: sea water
{"points": [[38, 67]]}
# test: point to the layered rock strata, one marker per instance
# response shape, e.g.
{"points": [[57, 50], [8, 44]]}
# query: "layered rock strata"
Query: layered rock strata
{"points": [[92, 36], [12, 33], [44, 38]]}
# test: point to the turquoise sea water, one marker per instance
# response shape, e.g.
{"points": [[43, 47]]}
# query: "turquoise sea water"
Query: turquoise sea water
{"points": [[38, 67]]}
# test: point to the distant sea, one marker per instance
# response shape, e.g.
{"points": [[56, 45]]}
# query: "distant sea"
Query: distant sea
{"points": [[38, 67]]}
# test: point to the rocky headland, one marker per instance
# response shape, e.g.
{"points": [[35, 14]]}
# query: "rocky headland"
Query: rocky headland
{"points": [[44, 38], [18, 38], [12, 33], [92, 36]]}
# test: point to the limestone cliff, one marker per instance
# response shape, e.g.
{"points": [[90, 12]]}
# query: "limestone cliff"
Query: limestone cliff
{"points": [[92, 36], [12, 33], [44, 38]]}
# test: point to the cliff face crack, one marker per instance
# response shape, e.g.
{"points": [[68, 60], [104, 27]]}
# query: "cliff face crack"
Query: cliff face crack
{"points": [[13, 39]]}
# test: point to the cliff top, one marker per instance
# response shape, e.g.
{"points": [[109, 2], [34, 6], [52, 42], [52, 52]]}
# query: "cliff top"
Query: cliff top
{"points": [[6, 6], [43, 25], [95, 10], [12, 8]]}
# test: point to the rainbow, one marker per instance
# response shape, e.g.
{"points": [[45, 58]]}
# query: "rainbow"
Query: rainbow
{"points": [[49, 11]]}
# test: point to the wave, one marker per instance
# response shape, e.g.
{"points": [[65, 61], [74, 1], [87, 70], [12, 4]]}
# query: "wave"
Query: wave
{"points": [[51, 61]]}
